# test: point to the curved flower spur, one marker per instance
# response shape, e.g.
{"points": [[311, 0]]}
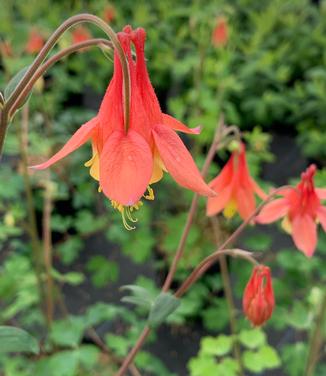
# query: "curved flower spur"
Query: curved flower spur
{"points": [[127, 161]]}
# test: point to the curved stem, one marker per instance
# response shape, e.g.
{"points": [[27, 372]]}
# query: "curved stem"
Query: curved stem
{"points": [[74, 20], [208, 261], [50, 62], [193, 208]]}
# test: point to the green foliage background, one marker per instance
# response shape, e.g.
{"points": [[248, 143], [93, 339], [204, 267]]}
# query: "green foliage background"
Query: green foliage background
{"points": [[269, 79]]}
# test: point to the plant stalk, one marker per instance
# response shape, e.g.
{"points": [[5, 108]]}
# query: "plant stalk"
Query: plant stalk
{"points": [[229, 298]]}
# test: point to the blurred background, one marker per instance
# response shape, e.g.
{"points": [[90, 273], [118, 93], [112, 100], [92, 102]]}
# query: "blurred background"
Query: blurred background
{"points": [[260, 63]]}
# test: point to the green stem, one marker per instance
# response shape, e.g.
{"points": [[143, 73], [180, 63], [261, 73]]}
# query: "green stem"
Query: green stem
{"points": [[316, 339], [229, 298], [32, 226]]}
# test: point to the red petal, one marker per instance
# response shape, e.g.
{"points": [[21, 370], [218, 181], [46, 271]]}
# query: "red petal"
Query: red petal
{"points": [[321, 193], [126, 165], [178, 126], [257, 189], [245, 202], [224, 178], [83, 134], [273, 211], [304, 233], [321, 214], [178, 160], [216, 204]]}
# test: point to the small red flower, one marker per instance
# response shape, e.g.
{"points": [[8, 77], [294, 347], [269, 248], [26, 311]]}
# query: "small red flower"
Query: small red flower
{"points": [[35, 42], [109, 13], [80, 34], [235, 188], [220, 33], [258, 298], [302, 209], [127, 163]]}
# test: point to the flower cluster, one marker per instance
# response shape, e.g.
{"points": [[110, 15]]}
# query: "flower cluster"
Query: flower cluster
{"points": [[130, 155]]}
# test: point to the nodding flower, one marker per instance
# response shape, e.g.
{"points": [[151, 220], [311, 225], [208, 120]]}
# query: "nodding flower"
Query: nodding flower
{"points": [[127, 162], [258, 297], [235, 188], [301, 210]]}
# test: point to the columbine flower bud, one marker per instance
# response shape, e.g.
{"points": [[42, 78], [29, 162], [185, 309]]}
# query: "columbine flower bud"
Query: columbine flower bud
{"points": [[258, 298], [220, 34]]}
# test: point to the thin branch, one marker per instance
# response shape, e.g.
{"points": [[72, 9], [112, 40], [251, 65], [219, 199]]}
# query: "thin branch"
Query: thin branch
{"points": [[50, 62], [229, 298], [316, 339], [193, 208]]}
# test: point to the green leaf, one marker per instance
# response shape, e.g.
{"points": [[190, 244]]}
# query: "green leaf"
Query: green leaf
{"points": [[141, 297], [252, 361], [68, 332], [103, 271], [163, 306], [269, 357], [13, 84], [299, 317], [218, 346], [73, 278], [252, 338], [203, 365], [17, 340]]}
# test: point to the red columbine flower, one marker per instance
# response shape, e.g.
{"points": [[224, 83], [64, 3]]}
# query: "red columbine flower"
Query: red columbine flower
{"points": [[109, 13], [35, 42], [258, 298], [235, 188], [80, 34], [302, 209], [126, 163], [220, 33]]}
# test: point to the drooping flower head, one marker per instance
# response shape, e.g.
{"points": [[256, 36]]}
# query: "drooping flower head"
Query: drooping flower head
{"points": [[235, 188], [35, 42], [302, 209], [258, 297], [127, 162], [220, 34]]}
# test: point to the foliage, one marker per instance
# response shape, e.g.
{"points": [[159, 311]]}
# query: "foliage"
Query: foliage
{"points": [[269, 79]]}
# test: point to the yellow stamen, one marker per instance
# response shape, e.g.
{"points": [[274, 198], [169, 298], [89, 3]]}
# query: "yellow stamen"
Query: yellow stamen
{"points": [[125, 212], [230, 209], [286, 225], [150, 196]]}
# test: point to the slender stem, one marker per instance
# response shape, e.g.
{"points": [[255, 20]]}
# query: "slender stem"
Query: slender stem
{"points": [[220, 133], [47, 245], [32, 227], [229, 297], [193, 208], [50, 62], [316, 339], [208, 261], [133, 352], [74, 20]]}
